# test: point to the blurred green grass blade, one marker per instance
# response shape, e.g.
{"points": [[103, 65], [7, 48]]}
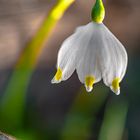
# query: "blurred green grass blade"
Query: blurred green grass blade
{"points": [[114, 120], [32, 51], [13, 102], [83, 114]]}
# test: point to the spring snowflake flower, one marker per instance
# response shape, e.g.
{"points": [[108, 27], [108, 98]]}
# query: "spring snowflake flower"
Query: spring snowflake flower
{"points": [[95, 53]]}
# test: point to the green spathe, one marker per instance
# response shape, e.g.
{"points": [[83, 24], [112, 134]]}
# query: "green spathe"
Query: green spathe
{"points": [[98, 12]]}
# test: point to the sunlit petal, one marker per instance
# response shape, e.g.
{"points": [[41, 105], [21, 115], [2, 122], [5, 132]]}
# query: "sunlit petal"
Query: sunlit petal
{"points": [[114, 59]]}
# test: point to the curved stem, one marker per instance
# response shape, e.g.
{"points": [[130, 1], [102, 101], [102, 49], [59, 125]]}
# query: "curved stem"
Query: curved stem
{"points": [[13, 102]]}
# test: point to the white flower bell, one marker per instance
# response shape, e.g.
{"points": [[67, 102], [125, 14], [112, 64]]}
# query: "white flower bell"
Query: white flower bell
{"points": [[95, 53]]}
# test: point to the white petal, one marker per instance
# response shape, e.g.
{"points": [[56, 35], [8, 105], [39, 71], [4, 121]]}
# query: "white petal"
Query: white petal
{"points": [[117, 92], [64, 61], [68, 53], [66, 58], [89, 62], [89, 66], [114, 58]]}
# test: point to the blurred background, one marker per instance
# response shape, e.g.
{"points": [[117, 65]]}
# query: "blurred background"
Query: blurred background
{"points": [[65, 111]]}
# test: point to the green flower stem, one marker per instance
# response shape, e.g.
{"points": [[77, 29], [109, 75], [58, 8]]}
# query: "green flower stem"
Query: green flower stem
{"points": [[31, 53], [13, 103], [98, 12], [83, 113], [114, 121]]}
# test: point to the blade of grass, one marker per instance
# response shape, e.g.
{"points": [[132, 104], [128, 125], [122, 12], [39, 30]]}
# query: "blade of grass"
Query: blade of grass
{"points": [[13, 102]]}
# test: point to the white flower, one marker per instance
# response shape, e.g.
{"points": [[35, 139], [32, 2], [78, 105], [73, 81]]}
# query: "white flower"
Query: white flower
{"points": [[95, 53]]}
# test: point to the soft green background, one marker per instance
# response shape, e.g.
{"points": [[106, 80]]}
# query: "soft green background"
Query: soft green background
{"points": [[33, 109]]}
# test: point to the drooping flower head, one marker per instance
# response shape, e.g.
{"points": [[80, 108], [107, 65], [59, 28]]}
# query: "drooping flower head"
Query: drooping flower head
{"points": [[94, 52]]}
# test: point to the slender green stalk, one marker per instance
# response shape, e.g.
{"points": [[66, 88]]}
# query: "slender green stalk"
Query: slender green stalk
{"points": [[13, 103], [83, 114], [29, 57], [114, 121]]}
